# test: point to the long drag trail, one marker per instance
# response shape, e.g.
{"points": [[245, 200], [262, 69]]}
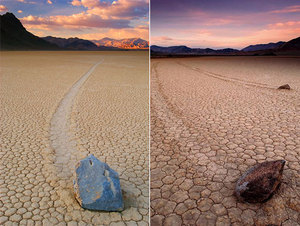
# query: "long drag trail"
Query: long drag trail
{"points": [[208, 128], [61, 139]]}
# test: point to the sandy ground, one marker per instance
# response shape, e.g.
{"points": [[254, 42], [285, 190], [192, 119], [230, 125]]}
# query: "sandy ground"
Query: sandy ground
{"points": [[211, 119], [106, 116]]}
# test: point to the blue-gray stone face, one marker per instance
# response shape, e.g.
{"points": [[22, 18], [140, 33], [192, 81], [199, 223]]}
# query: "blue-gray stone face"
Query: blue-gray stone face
{"points": [[97, 186]]}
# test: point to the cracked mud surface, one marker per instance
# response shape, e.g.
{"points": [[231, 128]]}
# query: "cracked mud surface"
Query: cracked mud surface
{"points": [[108, 117], [212, 118]]}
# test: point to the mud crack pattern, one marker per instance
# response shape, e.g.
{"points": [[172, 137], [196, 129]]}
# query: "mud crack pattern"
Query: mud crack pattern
{"points": [[211, 119], [32, 191]]}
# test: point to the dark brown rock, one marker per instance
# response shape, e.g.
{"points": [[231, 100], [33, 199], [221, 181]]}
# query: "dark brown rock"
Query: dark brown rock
{"points": [[286, 86], [259, 182]]}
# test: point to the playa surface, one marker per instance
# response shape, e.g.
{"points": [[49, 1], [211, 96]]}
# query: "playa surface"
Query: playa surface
{"points": [[212, 118], [58, 107]]}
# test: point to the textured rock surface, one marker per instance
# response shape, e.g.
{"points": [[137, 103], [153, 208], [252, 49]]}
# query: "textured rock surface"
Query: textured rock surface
{"points": [[286, 86], [259, 182], [97, 186]]}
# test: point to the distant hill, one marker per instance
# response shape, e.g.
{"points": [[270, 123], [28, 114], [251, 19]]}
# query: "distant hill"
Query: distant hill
{"points": [[263, 46], [129, 43], [72, 43], [184, 50], [171, 49], [291, 47], [15, 37], [76, 44]]}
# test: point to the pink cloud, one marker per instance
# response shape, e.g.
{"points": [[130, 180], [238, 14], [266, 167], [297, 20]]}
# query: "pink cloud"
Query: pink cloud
{"points": [[289, 9], [20, 11], [49, 2], [3, 8], [283, 25], [165, 38]]}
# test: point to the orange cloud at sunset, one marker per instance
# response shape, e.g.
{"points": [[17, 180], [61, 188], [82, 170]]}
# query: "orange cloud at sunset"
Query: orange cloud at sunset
{"points": [[76, 3], [75, 21], [118, 34], [3, 8]]}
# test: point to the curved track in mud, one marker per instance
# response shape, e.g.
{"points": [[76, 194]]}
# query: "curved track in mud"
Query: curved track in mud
{"points": [[61, 139]]}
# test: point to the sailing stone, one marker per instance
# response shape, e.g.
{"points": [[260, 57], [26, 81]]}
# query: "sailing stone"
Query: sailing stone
{"points": [[97, 186]]}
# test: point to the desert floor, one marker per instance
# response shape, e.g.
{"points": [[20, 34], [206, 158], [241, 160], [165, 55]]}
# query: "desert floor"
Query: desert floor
{"points": [[211, 119], [58, 107]]}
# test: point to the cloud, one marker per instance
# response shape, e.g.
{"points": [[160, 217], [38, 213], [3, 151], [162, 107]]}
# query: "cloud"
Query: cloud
{"points": [[3, 8], [76, 3], [27, 2], [125, 9], [117, 34], [289, 9], [81, 20], [20, 11], [49, 2], [283, 25], [164, 38]]}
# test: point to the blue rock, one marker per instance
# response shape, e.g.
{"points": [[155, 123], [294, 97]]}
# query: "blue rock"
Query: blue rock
{"points": [[97, 186]]}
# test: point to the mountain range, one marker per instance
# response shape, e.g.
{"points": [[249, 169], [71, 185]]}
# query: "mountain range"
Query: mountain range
{"points": [[291, 47], [14, 36], [130, 43], [76, 44], [190, 51]]}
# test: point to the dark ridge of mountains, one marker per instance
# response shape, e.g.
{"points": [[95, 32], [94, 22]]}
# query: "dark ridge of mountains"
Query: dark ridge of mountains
{"points": [[184, 50], [15, 37], [76, 44], [290, 48], [263, 46]]}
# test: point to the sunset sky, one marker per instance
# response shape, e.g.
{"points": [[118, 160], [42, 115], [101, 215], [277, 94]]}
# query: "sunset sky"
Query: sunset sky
{"points": [[223, 23], [87, 19]]}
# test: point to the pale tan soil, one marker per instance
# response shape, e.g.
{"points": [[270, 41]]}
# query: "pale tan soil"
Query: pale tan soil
{"points": [[33, 84], [211, 119]]}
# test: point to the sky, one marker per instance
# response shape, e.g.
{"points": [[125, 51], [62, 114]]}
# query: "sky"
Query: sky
{"points": [[86, 19], [223, 23]]}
